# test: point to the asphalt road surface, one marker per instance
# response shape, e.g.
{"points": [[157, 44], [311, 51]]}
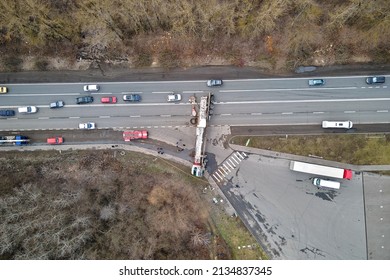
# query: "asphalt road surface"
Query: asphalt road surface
{"points": [[281, 101]]}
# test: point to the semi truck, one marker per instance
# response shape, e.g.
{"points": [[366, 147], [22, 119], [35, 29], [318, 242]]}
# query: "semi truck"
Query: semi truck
{"points": [[321, 170], [17, 140]]}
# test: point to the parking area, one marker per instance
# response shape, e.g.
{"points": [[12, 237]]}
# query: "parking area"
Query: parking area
{"points": [[377, 202], [293, 219]]}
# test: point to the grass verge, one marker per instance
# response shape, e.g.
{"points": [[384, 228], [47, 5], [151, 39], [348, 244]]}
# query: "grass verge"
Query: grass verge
{"points": [[238, 238], [360, 149]]}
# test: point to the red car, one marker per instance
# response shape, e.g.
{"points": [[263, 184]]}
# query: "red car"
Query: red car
{"points": [[135, 134], [55, 140], [111, 99]]}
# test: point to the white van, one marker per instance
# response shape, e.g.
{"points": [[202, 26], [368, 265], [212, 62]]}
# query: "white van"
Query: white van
{"points": [[337, 124], [321, 183], [27, 110]]}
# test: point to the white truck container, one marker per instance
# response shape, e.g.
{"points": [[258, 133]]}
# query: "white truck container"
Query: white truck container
{"points": [[318, 182], [321, 170]]}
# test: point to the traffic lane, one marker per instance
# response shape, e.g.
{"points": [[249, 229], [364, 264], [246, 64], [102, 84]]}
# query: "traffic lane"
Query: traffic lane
{"points": [[92, 109], [322, 106], [288, 118], [103, 122], [70, 98], [288, 83], [303, 129], [109, 87], [278, 94], [298, 220], [196, 85]]}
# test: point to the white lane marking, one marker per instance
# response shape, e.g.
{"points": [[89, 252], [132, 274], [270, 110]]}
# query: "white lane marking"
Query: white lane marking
{"points": [[135, 116], [74, 117], [193, 91], [219, 173], [96, 93], [43, 118], [384, 86], [287, 113], [233, 163], [226, 167], [221, 169], [166, 116], [349, 112], [256, 114], [307, 101], [229, 165], [382, 111], [215, 177], [239, 158], [233, 158], [40, 94], [105, 105], [318, 112], [131, 92], [104, 117], [166, 92], [245, 155], [240, 155], [225, 114]]}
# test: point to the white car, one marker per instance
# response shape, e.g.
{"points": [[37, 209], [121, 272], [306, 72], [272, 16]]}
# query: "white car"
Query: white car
{"points": [[337, 124], [28, 110], [174, 97], [91, 88], [89, 125]]}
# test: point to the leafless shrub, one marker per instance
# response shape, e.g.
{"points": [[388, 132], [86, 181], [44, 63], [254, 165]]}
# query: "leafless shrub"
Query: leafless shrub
{"points": [[199, 239], [107, 213]]}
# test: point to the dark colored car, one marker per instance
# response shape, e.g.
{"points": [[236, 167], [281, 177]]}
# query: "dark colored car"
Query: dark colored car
{"points": [[57, 104], [375, 80], [84, 99], [7, 113], [132, 97], [316, 82], [214, 83]]}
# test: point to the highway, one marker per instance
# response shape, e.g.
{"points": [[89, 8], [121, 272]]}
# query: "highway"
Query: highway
{"points": [[287, 101]]}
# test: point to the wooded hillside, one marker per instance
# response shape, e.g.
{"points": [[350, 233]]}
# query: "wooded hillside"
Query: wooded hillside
{"points": [[101, 205], [274, 34]]}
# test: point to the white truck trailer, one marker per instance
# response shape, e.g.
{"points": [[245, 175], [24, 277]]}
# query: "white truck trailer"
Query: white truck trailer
{"points": [[321, 170]]}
